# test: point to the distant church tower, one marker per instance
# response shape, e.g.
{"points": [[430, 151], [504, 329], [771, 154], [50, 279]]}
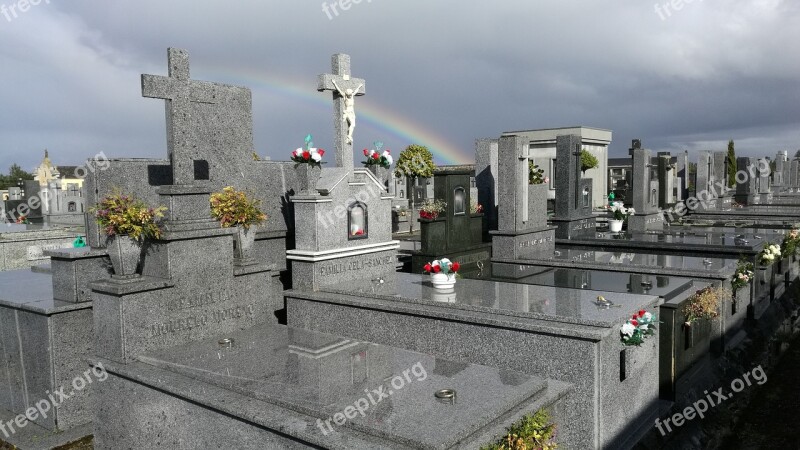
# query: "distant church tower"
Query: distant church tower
{"points": [[46, 172]]}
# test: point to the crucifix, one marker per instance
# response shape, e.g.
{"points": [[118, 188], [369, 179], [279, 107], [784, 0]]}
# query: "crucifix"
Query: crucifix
{"points": [[182, 95], [345, 89]]}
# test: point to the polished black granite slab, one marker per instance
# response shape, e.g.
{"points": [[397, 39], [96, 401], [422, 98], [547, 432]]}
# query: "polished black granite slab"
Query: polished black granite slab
{"points": [[321, 375], [664, 286]]}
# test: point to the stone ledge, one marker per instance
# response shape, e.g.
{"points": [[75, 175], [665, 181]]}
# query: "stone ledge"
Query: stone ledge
{"points": [[126, 287]]}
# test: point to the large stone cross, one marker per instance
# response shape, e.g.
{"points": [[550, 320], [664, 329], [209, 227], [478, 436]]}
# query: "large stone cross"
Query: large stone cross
{"points": [[180, 92], [345, 89]]}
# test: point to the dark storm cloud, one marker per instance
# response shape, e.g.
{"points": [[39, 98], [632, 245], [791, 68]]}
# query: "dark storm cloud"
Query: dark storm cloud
{"points": [[706, 73]]}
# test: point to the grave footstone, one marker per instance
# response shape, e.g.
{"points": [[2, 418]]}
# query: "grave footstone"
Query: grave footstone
{"points": [[573, 214], [522, 213]]}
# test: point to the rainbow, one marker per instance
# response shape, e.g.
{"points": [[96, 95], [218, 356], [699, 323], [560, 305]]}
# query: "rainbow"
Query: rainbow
{"points": [[375, 116]]}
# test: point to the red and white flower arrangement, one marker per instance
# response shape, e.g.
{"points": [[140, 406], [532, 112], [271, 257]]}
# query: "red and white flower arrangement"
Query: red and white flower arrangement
{"points": [[443, 266], [378, 156], [638, 327], [308, 154]]}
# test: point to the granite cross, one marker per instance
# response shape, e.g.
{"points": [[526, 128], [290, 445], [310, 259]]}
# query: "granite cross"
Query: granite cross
{"points": [[340, 82], [180, 93]]}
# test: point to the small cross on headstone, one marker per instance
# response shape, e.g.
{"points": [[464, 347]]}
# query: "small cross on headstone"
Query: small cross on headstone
{"points": [[180, 93], [345, 89]]}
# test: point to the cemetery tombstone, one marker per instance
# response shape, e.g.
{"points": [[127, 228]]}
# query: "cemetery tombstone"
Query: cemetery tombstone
{"points": [[522, 231], [486, 155], [764, 180], [645, 192], [721, 190], [746, 186], [705, 189], [794, 174], [458, 232], [682, 169], [347, 232], [666, 180], [779, 178], [190, 286], [573, 214]]}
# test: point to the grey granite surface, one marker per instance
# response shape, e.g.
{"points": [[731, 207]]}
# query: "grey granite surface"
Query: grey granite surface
{"points": [[556, 304], [320, 375], [32, 291]]}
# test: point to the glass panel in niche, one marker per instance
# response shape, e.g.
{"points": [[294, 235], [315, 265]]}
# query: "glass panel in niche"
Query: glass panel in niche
{"points": [[459, 201], [585, 197], [357, 221]]}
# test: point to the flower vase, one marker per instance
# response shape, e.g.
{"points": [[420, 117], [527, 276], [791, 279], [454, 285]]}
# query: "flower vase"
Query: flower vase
{"points": [[125, 253], [308, 176], [443, 282], [615, 226], [381, 173], [244, 243]]}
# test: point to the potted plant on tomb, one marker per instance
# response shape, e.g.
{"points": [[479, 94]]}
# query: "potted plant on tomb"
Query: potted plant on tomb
{"points": [[704, 305], [790, 244], [234, 208], [533, 432], [379, 162], [443, 273], [431, 209], [308, 165], [741, 278], [127, 223], [769, 255], [619, 215]]}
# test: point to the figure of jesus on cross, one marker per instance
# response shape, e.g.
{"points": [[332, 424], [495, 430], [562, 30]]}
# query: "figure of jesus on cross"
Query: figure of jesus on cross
{"points": [[345, 89], [349, 113]]}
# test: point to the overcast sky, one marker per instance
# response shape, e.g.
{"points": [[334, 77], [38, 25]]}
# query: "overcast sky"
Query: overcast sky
{"points": [[440, 73]]}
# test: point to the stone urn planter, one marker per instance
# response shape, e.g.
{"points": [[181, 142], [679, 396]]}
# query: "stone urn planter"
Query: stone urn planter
{"points": [[443, 282], [615, 226], [381, 173], [308, 177], [244, 243], [125, 253]]}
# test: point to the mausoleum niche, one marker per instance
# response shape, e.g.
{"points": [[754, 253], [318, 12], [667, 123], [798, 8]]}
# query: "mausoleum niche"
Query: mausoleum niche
{"points": [[459, 201], [357, 221]]}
